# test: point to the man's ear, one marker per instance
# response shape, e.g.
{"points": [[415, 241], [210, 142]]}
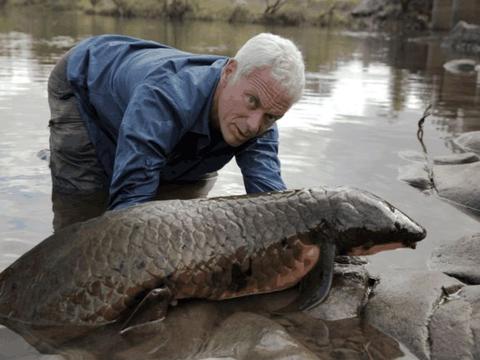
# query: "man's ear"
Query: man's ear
{"points": [[229, 70]]}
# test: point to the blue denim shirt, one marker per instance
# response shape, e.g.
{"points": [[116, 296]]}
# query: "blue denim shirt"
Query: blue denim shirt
{"points": [[146, 108]]}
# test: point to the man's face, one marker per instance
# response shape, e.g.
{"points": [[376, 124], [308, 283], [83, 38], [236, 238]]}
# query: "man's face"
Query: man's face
{"points": [[249, 106]]}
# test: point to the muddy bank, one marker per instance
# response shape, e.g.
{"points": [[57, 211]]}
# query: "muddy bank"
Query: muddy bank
{"points": [[413, 15], [283, 12], [352, 14]]}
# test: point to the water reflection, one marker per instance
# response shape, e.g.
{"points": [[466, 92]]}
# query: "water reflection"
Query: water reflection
{"points": [[239, 328]]}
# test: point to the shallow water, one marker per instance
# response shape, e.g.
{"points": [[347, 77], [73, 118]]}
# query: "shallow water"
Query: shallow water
{"points": [[355, 125]]}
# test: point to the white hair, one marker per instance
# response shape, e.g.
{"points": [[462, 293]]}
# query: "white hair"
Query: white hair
{"points": [[278, 53]]}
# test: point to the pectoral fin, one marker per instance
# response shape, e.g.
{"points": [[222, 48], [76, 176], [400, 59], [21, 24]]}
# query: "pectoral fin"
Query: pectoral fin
{"points": [[156, 301], [315, 286]]}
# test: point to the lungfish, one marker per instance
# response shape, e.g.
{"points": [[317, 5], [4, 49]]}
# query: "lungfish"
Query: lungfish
{"points": [[101, 271]]}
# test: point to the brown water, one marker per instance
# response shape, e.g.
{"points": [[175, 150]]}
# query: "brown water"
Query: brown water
{"points": [[354, 126]]}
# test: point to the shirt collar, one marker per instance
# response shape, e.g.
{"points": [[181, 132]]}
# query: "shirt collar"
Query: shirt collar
{"points": [[202, 126]]}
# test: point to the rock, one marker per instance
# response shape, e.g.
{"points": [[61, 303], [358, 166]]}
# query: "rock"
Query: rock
{"points": [[460, 259], [333, 339], [460, 184], [455, 326], [456, 159], [457, 184], [13, 346], [463, 37], [468, 142], [460, 66], [242, 328], [450, 159], [367, 8], [415, 175], [245, 336], [403, 302], [44, 154]]}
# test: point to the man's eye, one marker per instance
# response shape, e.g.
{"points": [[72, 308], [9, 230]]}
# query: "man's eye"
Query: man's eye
{"points": [[271, 118], [252, 101]]}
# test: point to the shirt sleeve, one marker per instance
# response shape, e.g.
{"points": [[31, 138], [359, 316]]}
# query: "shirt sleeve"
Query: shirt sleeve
{"points": [[150, 128], [260, 164]]}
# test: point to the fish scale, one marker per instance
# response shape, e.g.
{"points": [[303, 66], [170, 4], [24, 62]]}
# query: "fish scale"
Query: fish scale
{"points": [[93, 272]]}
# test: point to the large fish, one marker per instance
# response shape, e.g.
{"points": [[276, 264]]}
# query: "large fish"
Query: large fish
{"points": [[100, 271]]}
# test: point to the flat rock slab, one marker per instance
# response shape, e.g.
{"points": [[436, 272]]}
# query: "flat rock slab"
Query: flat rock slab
{"points": [[450, 159], [368, 8], [416, 176], [455, 326], [464, 38], [468, 142], [457, 184], [246, 336], [455, 159], [403, 303], [460, 259]]}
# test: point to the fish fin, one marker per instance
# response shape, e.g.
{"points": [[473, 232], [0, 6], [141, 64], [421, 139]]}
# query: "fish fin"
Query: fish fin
{"points": [[160, 297], [315, 286]]}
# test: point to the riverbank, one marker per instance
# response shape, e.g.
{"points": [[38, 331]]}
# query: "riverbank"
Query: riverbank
{"points": [[350, 14], [284, 12]]}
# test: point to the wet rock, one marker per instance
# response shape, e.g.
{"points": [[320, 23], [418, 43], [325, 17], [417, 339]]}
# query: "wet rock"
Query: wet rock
{"points": [[460, 259], [463, 37], [454, 326], [44, 154], [415, 175], [404, 302], [242, 328], [456, 159], [460, 184], [349, 293], [468, 142], [460, 66], [456, 184], [368, 8], [451, 159], [14, 347], [245, 336]]}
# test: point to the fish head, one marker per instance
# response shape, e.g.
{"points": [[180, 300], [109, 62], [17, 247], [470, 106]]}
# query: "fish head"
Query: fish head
{"points": [[365, 224]]}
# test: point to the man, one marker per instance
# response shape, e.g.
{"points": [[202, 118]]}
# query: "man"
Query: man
{"points": [[139, 120]]}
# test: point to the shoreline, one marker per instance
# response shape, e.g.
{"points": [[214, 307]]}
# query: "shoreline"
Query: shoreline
{"points": [[336, 14]]}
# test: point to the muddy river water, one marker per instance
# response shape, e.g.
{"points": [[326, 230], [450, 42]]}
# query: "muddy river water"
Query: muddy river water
{"points": [[355, 125]]}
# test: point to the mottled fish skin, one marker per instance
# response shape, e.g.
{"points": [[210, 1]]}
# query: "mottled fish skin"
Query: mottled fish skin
{"points": [[89, 273]]}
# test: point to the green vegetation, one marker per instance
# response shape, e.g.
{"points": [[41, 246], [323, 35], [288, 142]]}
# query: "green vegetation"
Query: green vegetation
{"points": [[283, 12]]}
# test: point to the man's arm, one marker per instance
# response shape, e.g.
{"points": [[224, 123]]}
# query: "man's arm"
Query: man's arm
{"points": [[260, 164], [151, 127]]}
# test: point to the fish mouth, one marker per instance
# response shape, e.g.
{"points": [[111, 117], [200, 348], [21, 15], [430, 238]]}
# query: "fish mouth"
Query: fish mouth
{"points": [[375, 249]]}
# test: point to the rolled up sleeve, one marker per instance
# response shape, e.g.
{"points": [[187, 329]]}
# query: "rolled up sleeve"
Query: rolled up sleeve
{"points": [[260, 164]]}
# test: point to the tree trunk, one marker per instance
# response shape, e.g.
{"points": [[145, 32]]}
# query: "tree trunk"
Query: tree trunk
{"points": [[274, 7]]}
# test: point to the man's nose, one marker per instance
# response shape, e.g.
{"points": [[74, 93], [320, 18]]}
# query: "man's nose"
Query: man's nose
{"points": [[254, 122]]}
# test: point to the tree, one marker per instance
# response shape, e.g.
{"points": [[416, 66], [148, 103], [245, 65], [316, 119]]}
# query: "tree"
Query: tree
{"points": [[94, 3], [122, 7], [271, 9], [404, 4], [176, 9]]}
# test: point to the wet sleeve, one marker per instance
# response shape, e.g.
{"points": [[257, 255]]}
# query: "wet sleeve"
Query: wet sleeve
{"points": [[151, 126], [260, 164]]}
